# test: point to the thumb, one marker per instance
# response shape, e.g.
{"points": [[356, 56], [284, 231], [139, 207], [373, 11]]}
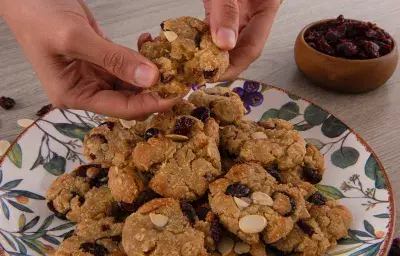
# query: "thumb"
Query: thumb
{"points": [[124, 63], [224, 22]]}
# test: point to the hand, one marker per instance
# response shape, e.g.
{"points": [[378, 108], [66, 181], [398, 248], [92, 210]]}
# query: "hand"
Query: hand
{"points": [[78, 66], [242, 27]]}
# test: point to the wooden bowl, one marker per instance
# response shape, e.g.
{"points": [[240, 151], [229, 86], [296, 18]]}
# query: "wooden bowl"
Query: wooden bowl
{"points": [[343, 75]]}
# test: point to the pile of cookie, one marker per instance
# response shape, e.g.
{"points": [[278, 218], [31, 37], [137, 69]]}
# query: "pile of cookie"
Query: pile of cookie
{"points": [[197, 180]]}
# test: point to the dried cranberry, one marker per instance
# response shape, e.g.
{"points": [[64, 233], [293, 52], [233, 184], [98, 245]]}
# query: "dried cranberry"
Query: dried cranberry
{"points": [[291, 201], [51, 207], [202, 113], [6, 102], [210, 74], [100, 137], [80, 198], [166, 78], [305, 227], [346, 49], [162, 25], [184, 125], [105, 227], [101, 178], [340, 18], [150, 133], [311, 175], [385, 49], [372, 49], [202, 211], [216, 230], [325, 47], [44, 110], [275, 173], [118, 212], [332, 36], [92, 156], [395, 249], [95, 249], [109, 124], [188, 211], [61, 216], [116, 238], [237, 190], [144, 197], [68, 234], [197, 40], [318, 199]]}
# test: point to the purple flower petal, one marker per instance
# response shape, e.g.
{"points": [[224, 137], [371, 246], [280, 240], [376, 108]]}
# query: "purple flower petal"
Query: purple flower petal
{"points": [[254, 99], [251, 86]]}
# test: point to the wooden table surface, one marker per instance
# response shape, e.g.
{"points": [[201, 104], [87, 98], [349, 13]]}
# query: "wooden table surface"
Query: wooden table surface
{"points": [[374, 115]]}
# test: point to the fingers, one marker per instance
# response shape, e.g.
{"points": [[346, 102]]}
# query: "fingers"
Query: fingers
{"points": [[126, 105], [251, 42], [224, 23], [124, 63]]}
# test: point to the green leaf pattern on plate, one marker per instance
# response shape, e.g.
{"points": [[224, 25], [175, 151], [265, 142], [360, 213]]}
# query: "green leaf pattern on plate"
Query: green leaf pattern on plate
{"points": [[58, 148]]}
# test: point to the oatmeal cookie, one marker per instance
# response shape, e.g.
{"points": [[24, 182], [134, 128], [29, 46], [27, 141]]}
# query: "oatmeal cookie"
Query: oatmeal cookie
{"points": [[185, 55], [182, 156], [249, 202], [225, 106], [81, 194], [112, 143], [77, 246], [161, 228], [125, 183], [306, 239]]}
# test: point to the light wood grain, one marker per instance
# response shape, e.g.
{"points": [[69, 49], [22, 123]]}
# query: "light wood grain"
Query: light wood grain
{"points": [[374, 115]]}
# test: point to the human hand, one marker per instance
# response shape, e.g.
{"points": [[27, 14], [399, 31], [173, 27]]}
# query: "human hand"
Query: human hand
{"points": [[242, 27], [78, 66]]}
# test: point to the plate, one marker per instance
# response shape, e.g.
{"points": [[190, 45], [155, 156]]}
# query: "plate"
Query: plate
{"points": [[53, 145]]}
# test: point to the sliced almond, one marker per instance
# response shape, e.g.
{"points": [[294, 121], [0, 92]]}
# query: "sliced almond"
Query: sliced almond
{"points": [[241, 247], [240, 202], [158, 219], [177, 137], [225, 246], [127, 124], [170, 35], [258, 136], [4, 145], [24, 123], [262, 198], [252, 224]]}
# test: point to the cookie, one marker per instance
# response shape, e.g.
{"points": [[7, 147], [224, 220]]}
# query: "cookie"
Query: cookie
{"points": [[225, 106], [77, 246], [333, 219], [306, 239], [106, 227], [125, 183], [112, 143], [180, 154], [250, 203], [80, 195], [185, 55], [160, 228]]}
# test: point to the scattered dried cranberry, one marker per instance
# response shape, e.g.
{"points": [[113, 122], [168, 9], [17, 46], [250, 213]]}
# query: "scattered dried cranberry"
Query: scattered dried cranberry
{"points": [[116, 238], [6, 102], [349, 39], [237, 190], [188, 211], [216, 230], [305, 227], [202, 113], [105, 227], [150, 133], [210, 74], [311, 175], [275, 173], [202, 211], [101, 179], [109, 124], [166, 78], [59, 215], [184, 125], [93, 248], [318, 199], [81, 170], [44, 110], [291, 200]]}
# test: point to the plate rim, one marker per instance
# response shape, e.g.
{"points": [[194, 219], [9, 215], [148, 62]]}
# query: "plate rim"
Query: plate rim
{"points": [[392, 204]]}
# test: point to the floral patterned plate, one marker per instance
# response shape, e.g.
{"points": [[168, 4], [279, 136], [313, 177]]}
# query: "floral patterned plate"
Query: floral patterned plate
{"points": [[53, 145]]}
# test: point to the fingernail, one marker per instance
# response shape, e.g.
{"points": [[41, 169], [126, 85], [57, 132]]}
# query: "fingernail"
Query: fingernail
{"points": [[144, 75], [226, 38]]}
